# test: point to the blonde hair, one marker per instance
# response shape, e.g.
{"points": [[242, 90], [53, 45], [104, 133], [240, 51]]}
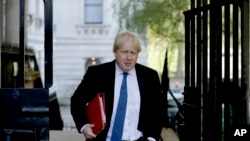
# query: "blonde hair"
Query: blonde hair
{"points": [[124, 37]]}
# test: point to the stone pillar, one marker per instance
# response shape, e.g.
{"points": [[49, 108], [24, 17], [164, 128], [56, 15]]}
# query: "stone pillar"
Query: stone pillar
{"points": [[1, 31], [12, 21]]}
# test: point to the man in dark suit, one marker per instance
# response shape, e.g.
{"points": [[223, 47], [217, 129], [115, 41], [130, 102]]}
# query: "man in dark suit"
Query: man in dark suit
{"points": [[144, 109]]}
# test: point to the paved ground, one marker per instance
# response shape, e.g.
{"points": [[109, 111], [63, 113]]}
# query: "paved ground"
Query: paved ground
{"points": [[167, 134], [69, 132]]}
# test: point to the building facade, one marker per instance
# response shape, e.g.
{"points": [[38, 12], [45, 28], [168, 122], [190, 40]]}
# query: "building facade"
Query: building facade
{"points": [[83, 35], [84, 31]]}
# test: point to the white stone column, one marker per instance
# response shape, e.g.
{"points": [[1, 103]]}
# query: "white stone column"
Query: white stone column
{"points": [[12, 21], [1, 24], [1, 31]]}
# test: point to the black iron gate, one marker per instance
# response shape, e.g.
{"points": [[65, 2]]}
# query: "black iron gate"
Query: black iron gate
{"points": [[216, 69]]}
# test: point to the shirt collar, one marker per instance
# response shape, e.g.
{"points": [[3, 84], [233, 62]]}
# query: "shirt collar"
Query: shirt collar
{"points": [[120, 71]]}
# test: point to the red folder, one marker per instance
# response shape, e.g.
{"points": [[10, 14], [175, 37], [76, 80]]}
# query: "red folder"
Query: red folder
{"points": [[96, 112]]}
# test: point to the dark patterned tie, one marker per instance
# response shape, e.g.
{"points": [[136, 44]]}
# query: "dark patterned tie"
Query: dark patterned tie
{"points": [[121, 111]]}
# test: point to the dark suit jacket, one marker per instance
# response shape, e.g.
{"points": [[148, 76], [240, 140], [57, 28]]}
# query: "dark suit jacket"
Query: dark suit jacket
{"points": [[101, 78]]}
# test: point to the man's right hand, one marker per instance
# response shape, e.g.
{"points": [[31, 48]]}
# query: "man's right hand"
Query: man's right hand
{"points": [[88, 132]]}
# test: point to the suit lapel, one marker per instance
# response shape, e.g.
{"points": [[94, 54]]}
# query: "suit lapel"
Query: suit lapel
{"points": [[140, 79], [109, 82], [141, 83]]}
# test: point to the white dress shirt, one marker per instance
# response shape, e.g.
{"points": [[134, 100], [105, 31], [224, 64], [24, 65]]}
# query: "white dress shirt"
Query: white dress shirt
{"points": [[130, 131]]}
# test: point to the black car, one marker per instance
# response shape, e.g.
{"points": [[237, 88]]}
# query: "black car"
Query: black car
{"points": [[175, 115]]}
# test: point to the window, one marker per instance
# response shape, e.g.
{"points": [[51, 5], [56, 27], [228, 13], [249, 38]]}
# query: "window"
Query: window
{"points": [[93, 11]]}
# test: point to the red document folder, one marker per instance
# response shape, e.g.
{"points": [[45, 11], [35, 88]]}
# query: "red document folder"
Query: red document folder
{"points": [[96, 112]]}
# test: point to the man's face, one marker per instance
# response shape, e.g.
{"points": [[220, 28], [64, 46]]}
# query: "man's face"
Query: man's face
{"points": [[126, 56]]}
